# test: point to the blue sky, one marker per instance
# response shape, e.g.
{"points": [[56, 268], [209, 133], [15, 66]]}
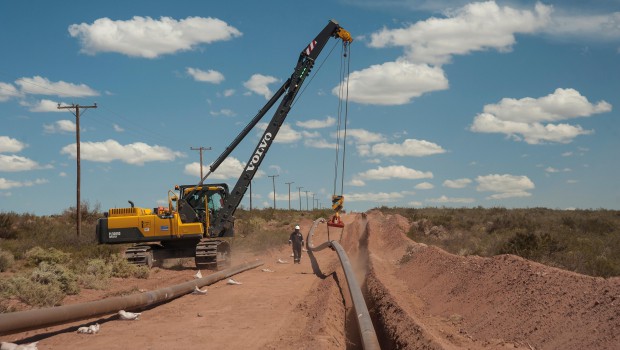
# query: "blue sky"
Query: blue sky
{"points": [[451, 103]]}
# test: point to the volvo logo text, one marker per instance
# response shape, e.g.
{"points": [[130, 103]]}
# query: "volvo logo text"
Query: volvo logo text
{"points": [[259, 152]]}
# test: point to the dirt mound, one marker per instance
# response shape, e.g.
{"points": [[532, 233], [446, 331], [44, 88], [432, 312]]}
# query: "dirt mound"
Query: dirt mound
{"points": [[456, 301]]}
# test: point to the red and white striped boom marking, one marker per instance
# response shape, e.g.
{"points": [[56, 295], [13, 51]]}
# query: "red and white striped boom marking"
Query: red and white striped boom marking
{"points": [[310, 47]]}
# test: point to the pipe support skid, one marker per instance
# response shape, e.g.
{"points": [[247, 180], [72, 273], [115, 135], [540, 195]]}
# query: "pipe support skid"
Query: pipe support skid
{"points": [[32, 319], [367, 330]]}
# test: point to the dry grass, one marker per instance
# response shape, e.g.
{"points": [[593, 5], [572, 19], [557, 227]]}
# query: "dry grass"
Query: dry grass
{"points": [[585, 241]]}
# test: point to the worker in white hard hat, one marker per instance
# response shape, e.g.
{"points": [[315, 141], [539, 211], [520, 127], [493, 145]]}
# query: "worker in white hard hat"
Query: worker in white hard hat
{"points": [[297, 241]]}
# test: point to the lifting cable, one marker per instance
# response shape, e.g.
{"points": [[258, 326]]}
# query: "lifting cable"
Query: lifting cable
{"points": [[341, 129]]}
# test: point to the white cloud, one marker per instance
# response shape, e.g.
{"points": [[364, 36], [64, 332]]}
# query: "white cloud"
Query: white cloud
{"points": [[223, 112], [13, 163], [361, 136], [525, 119], [458, 183], [42, 86], [259, 84], [43, 105], [210, 76], [229, 92], [414, 204], [316, 123], [6, 184], [357, 183], [409, 148], [474, 27], [310, 134], [600, 27], [286, 134], [424, 186], [562, 104], [230, 168], [117, 128], [319, 143], [150, 38], [380, 197], [60, 126], [505, 186], [10, 145], [393, 83], [554, 170], [136, 153], [8, 91], [444, 199], [394, 172]]}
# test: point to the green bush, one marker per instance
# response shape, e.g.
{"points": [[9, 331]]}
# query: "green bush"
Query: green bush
{"points": [[585, 241], [6, 260], [96, 275], [7, 225], [53, 274], [37, 294], [120, 267], [37, 255]]}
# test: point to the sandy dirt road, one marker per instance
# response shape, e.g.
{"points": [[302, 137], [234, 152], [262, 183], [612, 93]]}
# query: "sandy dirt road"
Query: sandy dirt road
{"points": [[420, 297]]}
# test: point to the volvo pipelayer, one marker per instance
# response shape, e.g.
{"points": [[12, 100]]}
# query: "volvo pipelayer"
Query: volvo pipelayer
{"points": [[199, 219]]}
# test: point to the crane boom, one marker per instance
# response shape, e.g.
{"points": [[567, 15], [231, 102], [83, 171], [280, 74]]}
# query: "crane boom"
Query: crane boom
{"points": [[224, 221]]}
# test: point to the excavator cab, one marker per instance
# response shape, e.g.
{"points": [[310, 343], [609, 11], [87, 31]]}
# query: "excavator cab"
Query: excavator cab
{"points": [[201, 203]]}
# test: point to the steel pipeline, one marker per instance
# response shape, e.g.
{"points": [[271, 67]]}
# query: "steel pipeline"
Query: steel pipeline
{"points": [[32, 319], [367, 331]]}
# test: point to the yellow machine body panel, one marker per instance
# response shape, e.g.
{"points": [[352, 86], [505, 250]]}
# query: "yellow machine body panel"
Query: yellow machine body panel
{"points": [[130, 225]]}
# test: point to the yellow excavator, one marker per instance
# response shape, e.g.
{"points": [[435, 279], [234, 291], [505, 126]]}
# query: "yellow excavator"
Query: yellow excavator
{"points": [[199, 219]]}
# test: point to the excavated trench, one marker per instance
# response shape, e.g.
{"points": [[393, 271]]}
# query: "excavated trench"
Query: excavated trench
{"points": [[394, 328], [363, 273]]}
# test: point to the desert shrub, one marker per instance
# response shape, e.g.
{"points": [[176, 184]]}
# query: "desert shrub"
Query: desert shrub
{"points": [[7, 225], [596, 225], [524, 244], [120, 267], [36, 294], [37, 255], [251, 225], [53, 274], [6, 260], [96, 275]]}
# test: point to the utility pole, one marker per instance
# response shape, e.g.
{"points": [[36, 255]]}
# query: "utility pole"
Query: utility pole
{"points": [[313, 201], [273, 178], [299, 189], [200, 149], [317, 203], [306, 200], [78, 207], [289, 194]]}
